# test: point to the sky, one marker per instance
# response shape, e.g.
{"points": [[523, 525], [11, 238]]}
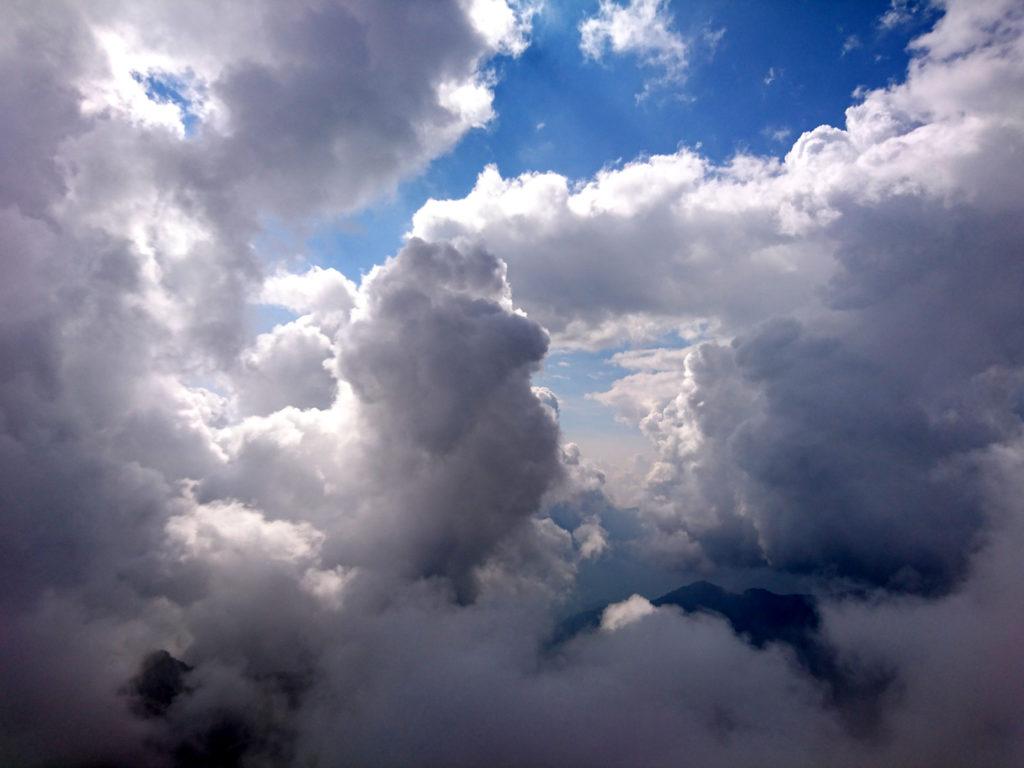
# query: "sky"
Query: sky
{"points": [[369, 369], [558, 110], [752, 84]]}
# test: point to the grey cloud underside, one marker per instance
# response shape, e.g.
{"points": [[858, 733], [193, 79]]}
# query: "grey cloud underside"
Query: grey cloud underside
{"points": [[819, 444], [354, 536], [342, 119], [444, 372]]}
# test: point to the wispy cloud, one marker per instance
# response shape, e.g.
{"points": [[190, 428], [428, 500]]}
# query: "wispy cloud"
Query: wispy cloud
{"points": [[643, 28], [898, 13]]}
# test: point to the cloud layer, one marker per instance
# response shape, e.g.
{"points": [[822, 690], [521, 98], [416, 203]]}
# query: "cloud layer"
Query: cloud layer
{"points": [[359, 530]]}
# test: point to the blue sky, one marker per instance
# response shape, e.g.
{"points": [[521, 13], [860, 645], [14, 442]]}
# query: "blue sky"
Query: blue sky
{"points": [[778, 69]]}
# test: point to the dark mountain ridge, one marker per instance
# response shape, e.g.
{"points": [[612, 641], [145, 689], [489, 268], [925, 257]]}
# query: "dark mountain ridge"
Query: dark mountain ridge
{"points": [[761, 617]]}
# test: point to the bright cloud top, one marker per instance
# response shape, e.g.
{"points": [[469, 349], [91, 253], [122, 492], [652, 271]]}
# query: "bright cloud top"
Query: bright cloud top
{"points": [[643, 28]]}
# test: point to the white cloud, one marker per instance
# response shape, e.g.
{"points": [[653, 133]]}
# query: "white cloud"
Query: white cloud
{"points": [[851, 43], [288, 366], [304, 61], [401, 548], [325, 294], [591, 539], [505, 25], [571, 249], [655, 359], [643, 28], [631, 610], [898, 13], [229, 529], [123, 90], [754, 237], [850, 237]]}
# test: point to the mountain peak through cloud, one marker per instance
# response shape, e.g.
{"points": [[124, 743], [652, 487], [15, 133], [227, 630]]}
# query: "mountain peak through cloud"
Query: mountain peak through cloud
{"points": [[352, 352]]}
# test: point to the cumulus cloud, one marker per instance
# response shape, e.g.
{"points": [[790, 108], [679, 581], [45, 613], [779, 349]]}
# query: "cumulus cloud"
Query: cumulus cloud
{"points": [[627, 612], [442, 368], [897, 14], [713, 237], [873, 406], [325, 295], [286, 367], [277, 123], [642, 28], [365, 515], [849, 411], [591, 538]]}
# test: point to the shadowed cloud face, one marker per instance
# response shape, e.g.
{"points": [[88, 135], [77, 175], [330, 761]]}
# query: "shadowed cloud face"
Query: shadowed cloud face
{"points": [[258, 512], [463, 449]]}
